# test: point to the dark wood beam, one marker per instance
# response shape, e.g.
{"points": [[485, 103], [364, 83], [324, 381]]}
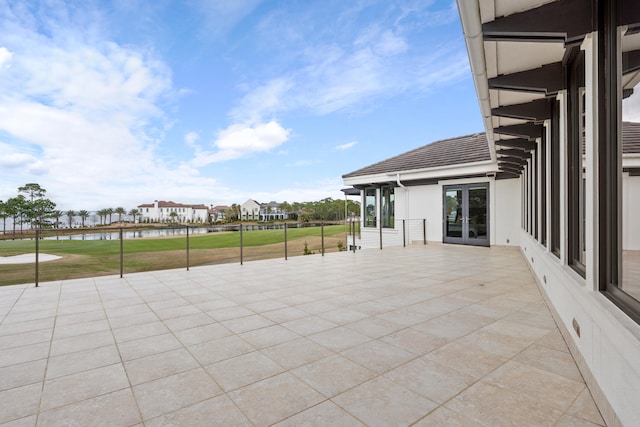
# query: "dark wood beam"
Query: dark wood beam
{"points": [[560, 21], [521, 143], [536, 111], [515, 153], [510, 168], [630, 61], [528, 130], [547, 79], [507, 175], [629, 14], [512, 160]]}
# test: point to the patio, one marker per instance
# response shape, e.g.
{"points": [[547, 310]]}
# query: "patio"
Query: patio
{"points": [[424, 335]]}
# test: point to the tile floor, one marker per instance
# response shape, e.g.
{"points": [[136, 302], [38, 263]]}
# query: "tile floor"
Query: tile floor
{"points": [[425, 335]]}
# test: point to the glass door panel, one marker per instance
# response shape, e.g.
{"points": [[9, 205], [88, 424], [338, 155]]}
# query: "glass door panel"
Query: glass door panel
{"points": [[466, 218], [477, 215], [453, 213]]}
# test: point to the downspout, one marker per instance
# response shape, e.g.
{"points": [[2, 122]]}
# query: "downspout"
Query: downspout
{"points": [[406, 196], [472, 29]]}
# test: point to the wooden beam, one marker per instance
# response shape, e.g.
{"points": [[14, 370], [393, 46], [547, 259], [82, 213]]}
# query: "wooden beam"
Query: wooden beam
{"points": [[547, 79], [515, 153], [536, 111], [560, 21], [528, 130], [521, 143]]}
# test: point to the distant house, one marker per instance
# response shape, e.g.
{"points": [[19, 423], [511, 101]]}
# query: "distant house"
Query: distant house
{"points": [[219, 213], [161, 211], [272, 211], [250, 210]]}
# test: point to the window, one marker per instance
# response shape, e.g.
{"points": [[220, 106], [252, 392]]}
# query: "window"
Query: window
{"points": [[387, 208], [619, 234], [543, 190], [575, 163], [370, 207], [555, 180]]}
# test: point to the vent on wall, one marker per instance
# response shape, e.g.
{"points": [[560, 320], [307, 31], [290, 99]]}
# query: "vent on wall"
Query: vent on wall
{"points": [[576, 326]]}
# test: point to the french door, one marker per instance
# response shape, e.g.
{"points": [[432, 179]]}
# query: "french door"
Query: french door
{"points": [[466, 214]]}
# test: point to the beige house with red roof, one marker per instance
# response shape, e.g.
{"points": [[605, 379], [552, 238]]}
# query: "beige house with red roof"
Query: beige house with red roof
{"points": [[161, 211]]}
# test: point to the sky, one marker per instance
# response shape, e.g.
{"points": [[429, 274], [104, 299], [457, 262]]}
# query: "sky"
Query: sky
{"points": [[123, 102]]}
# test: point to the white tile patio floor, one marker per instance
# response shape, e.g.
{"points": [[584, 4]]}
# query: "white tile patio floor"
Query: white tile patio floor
{"points": [[425, 335]]}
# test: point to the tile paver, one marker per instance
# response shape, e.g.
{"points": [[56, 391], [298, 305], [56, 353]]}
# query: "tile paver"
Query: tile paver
{"points": [[392, 337]]}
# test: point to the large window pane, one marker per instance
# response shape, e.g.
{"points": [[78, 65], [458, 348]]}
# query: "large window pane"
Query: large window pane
{"points": [[576, 163], [388, 207], [629, 176], [370, 212]]}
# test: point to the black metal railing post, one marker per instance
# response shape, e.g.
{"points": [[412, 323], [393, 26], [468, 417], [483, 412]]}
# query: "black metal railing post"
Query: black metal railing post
{"points": [[285, 241], [241, 247], [121, 255], [37, 256], [380, 228], [322, 236], [187, 248], [354, 236], [404, 235], [424, 230]]}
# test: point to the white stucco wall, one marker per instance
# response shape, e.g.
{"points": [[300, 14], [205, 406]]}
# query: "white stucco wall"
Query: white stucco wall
{"points": [[609, 341], [424, 202], [506, 212]]}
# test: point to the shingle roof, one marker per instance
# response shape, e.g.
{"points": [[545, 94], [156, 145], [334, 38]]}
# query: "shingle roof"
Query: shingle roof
{"points": [[630, 137], [171, 204], [453, 151]]}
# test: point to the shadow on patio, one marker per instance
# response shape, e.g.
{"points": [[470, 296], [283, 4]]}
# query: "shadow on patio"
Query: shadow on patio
{"points": [[424, 335]]}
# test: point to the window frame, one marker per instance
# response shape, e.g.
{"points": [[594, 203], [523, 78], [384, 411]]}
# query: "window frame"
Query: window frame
{"points": [[367, 221], [609, 162], [387, 198]]}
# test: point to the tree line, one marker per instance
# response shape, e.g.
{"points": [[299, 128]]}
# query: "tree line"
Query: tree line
{"points": [[327, 209], [33, 208]]}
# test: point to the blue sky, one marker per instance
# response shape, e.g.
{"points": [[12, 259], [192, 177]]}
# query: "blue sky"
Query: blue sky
{"points": [[121, 102]]}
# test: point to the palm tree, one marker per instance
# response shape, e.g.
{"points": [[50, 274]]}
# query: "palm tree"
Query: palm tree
{"points": [[83, 215], [70, 214], [120, 211], [173, 216], [3, 215], [108, 211], [134, 213], [56, 215], [102, 213]]}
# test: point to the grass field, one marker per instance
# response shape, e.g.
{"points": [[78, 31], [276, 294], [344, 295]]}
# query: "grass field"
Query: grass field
{"points": [[87, 258]]}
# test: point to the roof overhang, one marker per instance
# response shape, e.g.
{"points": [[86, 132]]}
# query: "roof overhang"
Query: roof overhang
{"points": [[425, 175], [516, 49]]}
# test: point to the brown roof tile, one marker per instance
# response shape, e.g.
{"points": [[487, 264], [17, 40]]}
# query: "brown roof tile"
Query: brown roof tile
{"points": [[453, 151], [630, 137]]}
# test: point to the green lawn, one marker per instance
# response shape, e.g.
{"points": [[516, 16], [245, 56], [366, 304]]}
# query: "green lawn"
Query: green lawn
{"points": [[86, 258]]}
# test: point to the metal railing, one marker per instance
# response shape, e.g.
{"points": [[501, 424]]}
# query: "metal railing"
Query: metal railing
{"points": [[401, 232], [90, 252]]}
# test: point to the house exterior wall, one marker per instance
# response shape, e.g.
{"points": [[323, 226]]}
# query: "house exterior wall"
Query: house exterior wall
{"points": [[506, 212], [250, 210], [415, 204], [185, 213], [630, 210]]}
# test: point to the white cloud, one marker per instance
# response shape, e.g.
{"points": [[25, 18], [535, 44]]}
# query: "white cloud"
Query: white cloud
{"points": [[376, 63], [346, 146], [5, 57], [84, 117], [239, 140], [191, 138], [303, 191]]}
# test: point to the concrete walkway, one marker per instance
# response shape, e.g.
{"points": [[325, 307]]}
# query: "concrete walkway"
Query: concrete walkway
{"points": [[426, 335]]}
